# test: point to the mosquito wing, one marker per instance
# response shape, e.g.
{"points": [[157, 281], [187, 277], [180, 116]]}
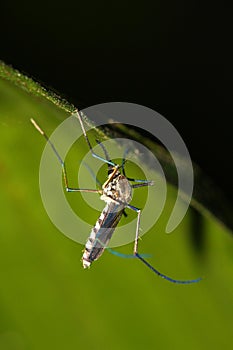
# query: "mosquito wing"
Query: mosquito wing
{"points": [[102, 232]]}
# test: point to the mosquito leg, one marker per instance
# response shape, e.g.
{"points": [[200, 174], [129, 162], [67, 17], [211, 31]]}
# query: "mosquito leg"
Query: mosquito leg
{"points": [[110, 167], [105, 151], [121, 255], [92, 174], [124, 160], [140, 257], [135, 250], [143, 182], [78, 116], [67, 188]]}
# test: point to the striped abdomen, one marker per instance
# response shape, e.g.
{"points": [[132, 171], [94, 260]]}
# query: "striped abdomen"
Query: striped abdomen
{"points": [[102, 233]]}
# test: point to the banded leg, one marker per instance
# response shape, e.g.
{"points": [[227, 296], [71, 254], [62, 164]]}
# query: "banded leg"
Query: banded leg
{"points": [[140, 257], [67, 188]]}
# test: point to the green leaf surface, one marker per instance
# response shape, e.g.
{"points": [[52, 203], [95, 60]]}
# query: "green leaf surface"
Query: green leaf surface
{"points": [[48, 301]]}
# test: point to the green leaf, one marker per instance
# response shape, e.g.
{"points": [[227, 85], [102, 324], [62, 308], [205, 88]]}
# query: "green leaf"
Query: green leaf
{"points": [[48, 301]]}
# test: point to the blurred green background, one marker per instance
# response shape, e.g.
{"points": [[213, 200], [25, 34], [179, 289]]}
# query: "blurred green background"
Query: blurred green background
{"points": [[48, 301]]}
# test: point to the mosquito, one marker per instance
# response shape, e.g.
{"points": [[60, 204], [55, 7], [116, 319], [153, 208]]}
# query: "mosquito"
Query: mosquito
{"points": [[116, 192]]}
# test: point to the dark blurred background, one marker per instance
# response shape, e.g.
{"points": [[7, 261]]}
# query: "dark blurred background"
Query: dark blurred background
{"points": [[174, 57]]}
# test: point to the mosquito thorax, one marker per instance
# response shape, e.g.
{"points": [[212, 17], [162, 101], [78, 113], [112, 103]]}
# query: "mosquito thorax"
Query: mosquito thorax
{"points": [[119, 189]]}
